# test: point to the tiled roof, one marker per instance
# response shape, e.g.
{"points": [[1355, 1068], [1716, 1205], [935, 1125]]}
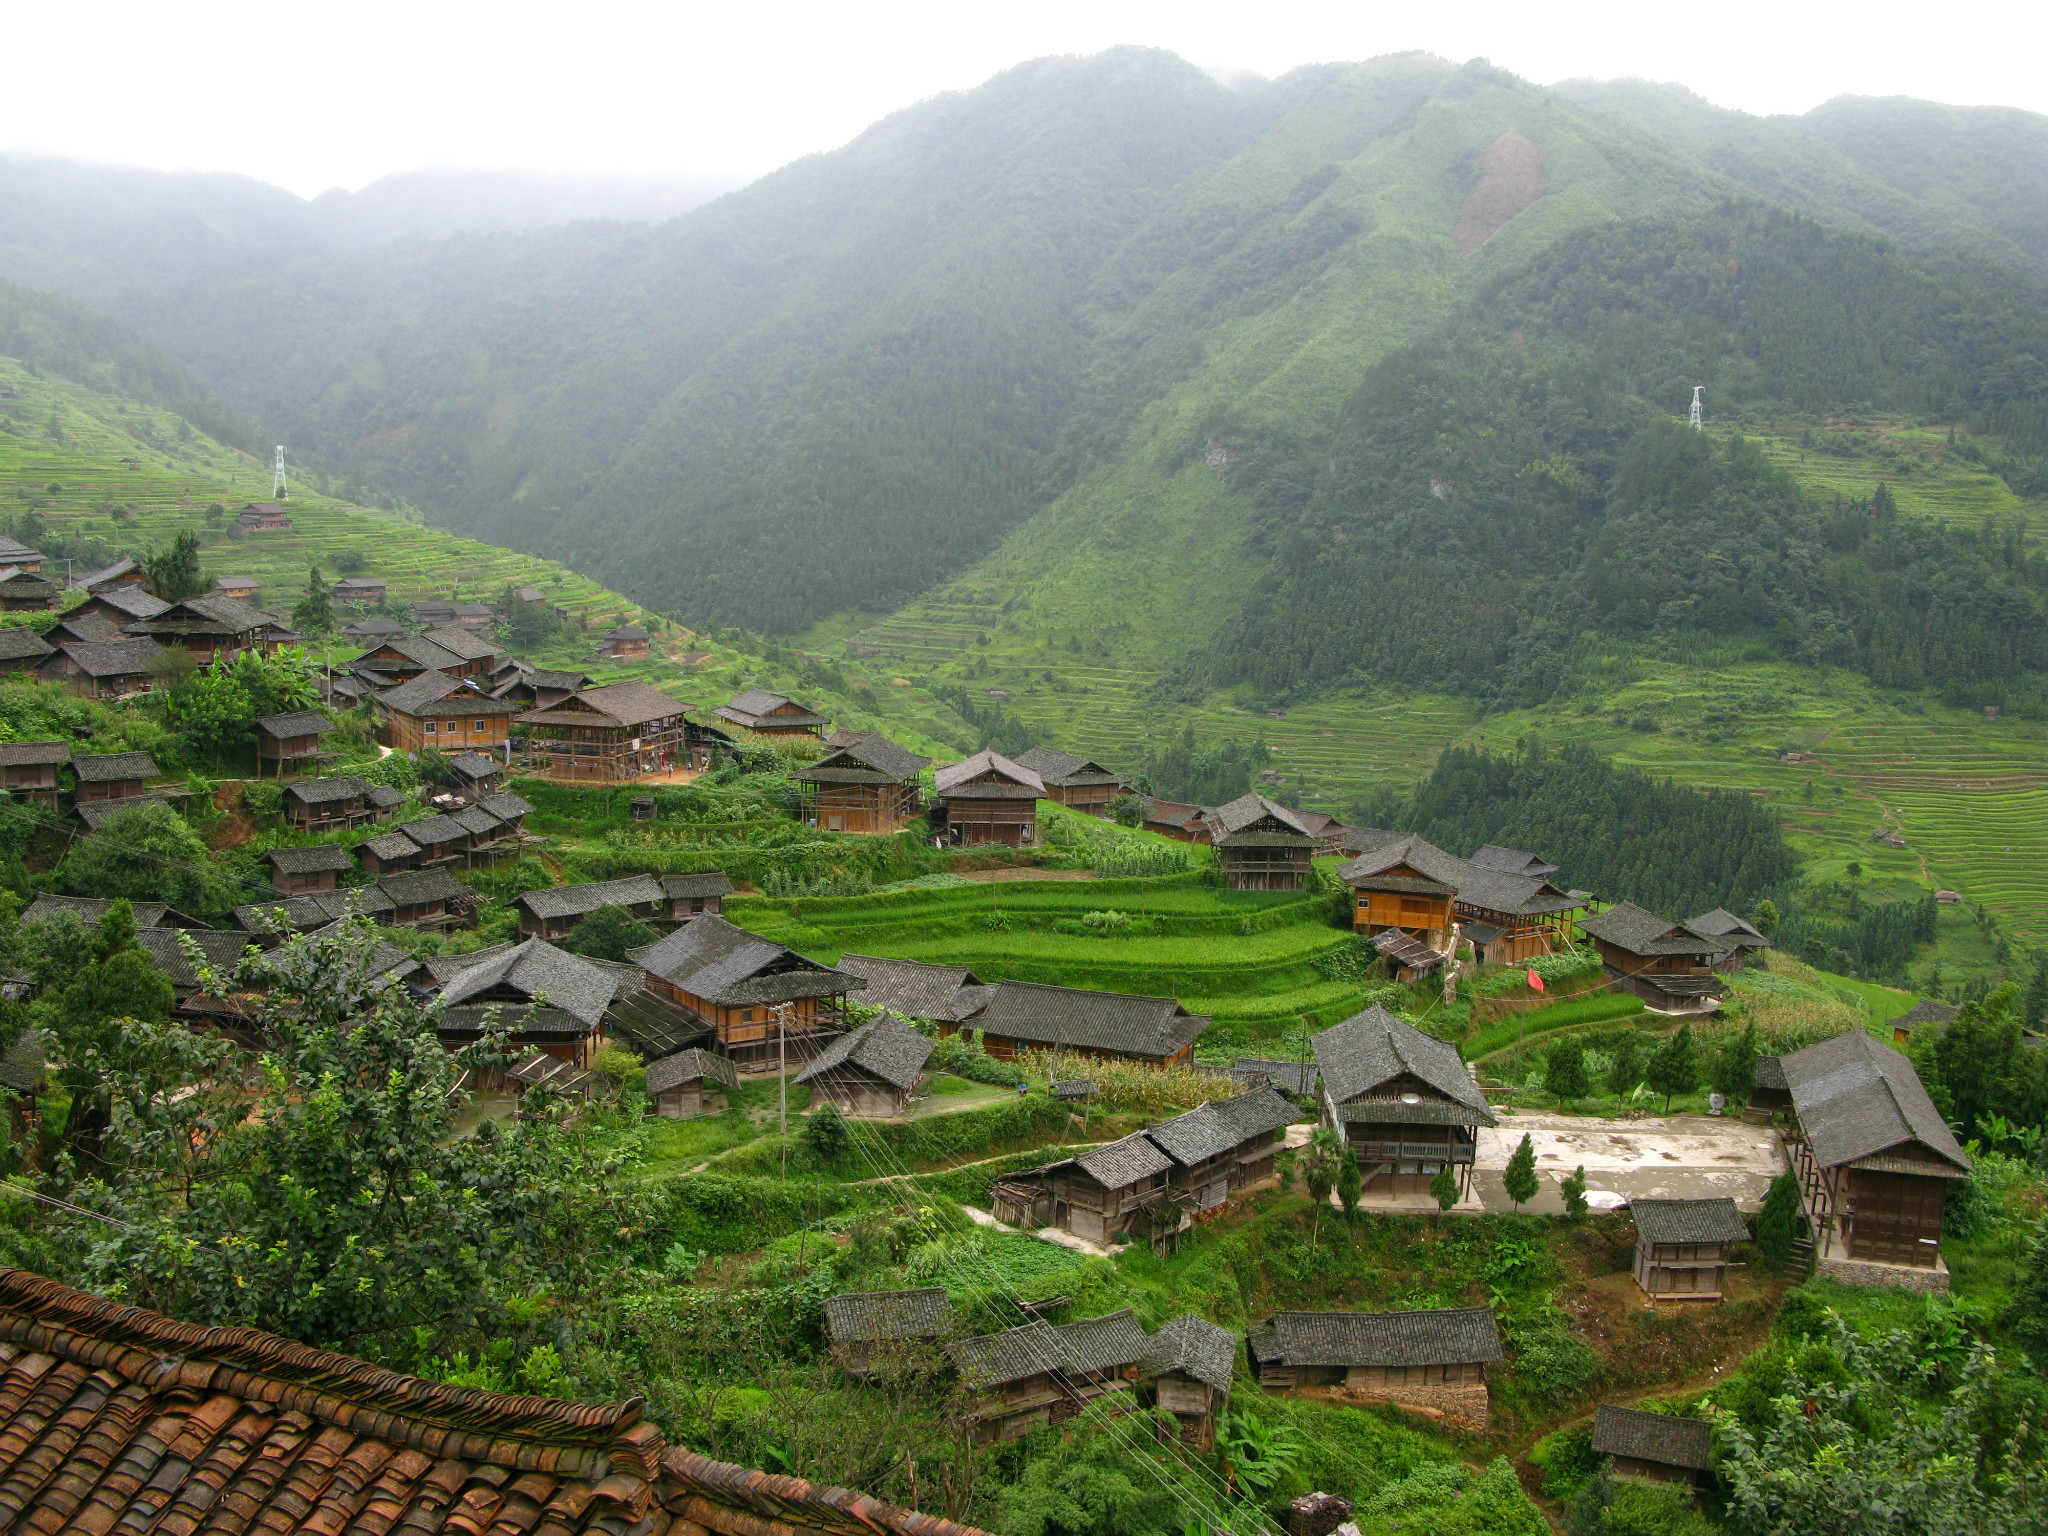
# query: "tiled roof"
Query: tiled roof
{"points": [[475, 765], [1855, 1098], [1723, 924], [1292, 1077], [26, 754], [1770, 1073], [710, 882], [391, 846], [93, 910], [299, 722], [655, 1026], [1247, 811], [1065, 769], [224, 613], [97, 813], [912, 987], [1192, 1346], [383, 796], [1688, 1221], [1094, 1345], [1017, 782], [115, 658], [627, 632], [1441, 1336], [506, 806], [344, 786], [85, 624], [693, 1065], [1256, 1113], [306, 861], [461, 642], [1628, 926], [1388, 1110], [709, 958], [1375, 1048], [18, 643], [756, 703], [428, 831], [864, 1317], [113, 767], [413, 887], [1511, 861], [1659, 1437], [313, 909], [1927, 1011], [578, 900], [1104, 1343], [632, 703], [131, 600], [572, 984], [121, 1420], [22, 1065], [430, 687], [873, 759], [1122, 1022], [477, 822], [1124, 1162], [1418, 853], [222, 948], [1194, 1136], [886, 1048], [85, 581]]}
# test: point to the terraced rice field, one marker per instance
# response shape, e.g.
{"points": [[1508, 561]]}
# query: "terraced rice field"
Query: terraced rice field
{"points": [[1926, 480]]}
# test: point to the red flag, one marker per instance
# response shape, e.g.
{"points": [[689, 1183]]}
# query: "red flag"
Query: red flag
{"points": [[1535, 980]]}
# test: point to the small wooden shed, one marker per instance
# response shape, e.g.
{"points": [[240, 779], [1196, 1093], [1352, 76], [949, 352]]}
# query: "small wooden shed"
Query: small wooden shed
{"points": [[1187, 1369], [866, 1327], [693, 895], [1682, 1246], [296, 870], [1659, 1446], [291, 740], [691, 1083], [28, 769], [871, 1072], [1436, 1358], [113, 775], [321, 805]]}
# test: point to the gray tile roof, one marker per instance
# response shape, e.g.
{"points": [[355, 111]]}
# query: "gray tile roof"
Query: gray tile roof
{"points": [[1065, 769], [391, 846], [85, 624], [130, 599], [1628, 926], [430, 831], [442, 969], [314, 909], [93, 910], [709, 958], [1124, 1023], [85, 581], [1247, 811], [429, 688], [1523, 895], [755, 703], [579, 900], [655, 1026], [1926, 1011], [383, 796], [710, 882], [97, 813], [1298, 1078], [112, 767], [223, 949], [18, 642], [22, 1066], [226, 613], [475, 765], [1192, 1346], [1123, 1163], [690, 1066], [1770, 1073], [1855, 1098], [885, 1048], [298, 722], [1723, 924], [1256, 1113], [866, 1317], [26, 754], [1106, 1343], [506, 806], [1658, 1437], [991, 1359], [1511, 861], [1194, 1136], [306, 861], [413, 887], [1374, 1048], [912, 987], [1017, 782], [871, 760], [1688, 1221], [478, 823], [344, 786], [628, 632], [1370, 1110], [572, 984], [115, 658], [462, 643], [631, 704], [1442, 1336], [1418, 853]]}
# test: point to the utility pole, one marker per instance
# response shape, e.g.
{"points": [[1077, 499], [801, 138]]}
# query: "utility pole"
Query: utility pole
{"points": [[278, 486], [1698, 420]]}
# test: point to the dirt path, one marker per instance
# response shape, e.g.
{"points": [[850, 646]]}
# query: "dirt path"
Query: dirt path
{"points": [[893, 1178]]}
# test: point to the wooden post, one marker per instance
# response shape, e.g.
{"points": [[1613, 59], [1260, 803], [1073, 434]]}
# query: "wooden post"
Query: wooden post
{"points": [[782, 1078]]}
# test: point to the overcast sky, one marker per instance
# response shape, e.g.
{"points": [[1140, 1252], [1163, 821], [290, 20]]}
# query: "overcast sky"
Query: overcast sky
{"points": [[310, 97]]}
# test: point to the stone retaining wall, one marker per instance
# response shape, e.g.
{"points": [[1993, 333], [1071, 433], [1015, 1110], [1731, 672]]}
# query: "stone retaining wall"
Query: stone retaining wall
{"points": [[1907, 1276]]}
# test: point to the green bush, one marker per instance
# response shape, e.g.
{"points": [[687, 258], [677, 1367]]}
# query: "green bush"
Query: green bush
{"points": [[265, 800], [1551, 1364]]}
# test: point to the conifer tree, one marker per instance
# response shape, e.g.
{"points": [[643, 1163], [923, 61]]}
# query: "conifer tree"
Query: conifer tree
{"points": [[1444, 1188], [1625, 1070], [1573, 1188], [1674, 1069], [314, 614], [1350, 1187], [1520, 1179], [1564, 1074], [1778, 1222]]}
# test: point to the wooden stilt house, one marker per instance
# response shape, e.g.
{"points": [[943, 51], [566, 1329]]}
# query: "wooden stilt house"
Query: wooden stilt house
{"points": [[1039, 1374], [1261, 845], [318, 868], [770, 714], [1682, 1247], [1665, 963], [755, 996], [1744, 940], [1405, 1103], [871, 1330], [870, 786], [113, 775], [290, 742], [23, 650], [550, 1000], [1407, 885], [554, 912], [987, 798], [1435, 1360], [28, 769], [1030, 1015], [1078, 783], [1188, 1369], [870, 1072], [617, 732]]}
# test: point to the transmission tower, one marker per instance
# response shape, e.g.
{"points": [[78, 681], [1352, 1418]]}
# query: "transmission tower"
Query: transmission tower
{"points": [[1699, 418], [283, 492]]}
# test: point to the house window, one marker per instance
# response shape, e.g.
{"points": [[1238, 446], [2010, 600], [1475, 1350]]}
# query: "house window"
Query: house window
{"points": [[432, 727], [452, 727], [479, 725]]}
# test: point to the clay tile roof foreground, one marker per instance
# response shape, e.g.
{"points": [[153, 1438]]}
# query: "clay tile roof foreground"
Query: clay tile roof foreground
{"points": [[1645, 1436], [242, 1431], [1195, 1347], [886, 1048], [1370, 1053], [113, 767]]}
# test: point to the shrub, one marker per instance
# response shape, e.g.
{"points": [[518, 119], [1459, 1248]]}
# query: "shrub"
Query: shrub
{"points": [[260, 799], [1550, 1363], [1778, 1223]]}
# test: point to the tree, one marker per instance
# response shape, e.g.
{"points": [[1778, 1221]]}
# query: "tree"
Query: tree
{"points": [[1765, 918], [2027, 1315], [1734, 1071], [174, 572], [2034, 1002], [314, 613], [1520, 1179], [147, 853], [1321, 1160], [1564, 1073], [1625, 1070], [285, 680], [608, 933], [1777, 1224], [1444, 1188], [213, 711], [1129, 810], [1350, 1187], [1672, 1068], [1573, 1188], [826, 1133], [1978, 1057]]}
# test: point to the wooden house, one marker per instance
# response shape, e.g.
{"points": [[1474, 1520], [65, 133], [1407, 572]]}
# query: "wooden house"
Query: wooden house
{"points": [[1513, 861], [1744, 940], [1326, 829], [291, 740], [1434, 1360], [475, 617], [120, 604], [211, 626], [327, 805], [17, 554], [1155, 1183], [450, 650], [115, 669], [384, 801], [987, 798], [262, 517], [1660, 1447], [1875, 1162], [476, 775], [358, 589], [1665, 963], [1511, 918], [756, 997], [693, 895], [770, 714], [372, 631], [95, 814], [948, 995], [537, 687], [629, 642], [1030, 1015], [1298, 1080], [1925, 1012], [690, 1083], [318, 868], [555, 911], [549, 999], [113, 775], [28, 769], [22, 650], [1075, 782], [1187, 1369], [388, 853], [1405, 1103], [1038, 1374], [1682, 1247], [613, 733], [872, 1072], [870, 786], [243, 589], [867, 1329], [449, 714], [92, 911], [440, 838], [310, 911], [1171, 818], [124, 572], [1406, 885], [91, 628], [433, 612], [25, 592], [1261, 845]]}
